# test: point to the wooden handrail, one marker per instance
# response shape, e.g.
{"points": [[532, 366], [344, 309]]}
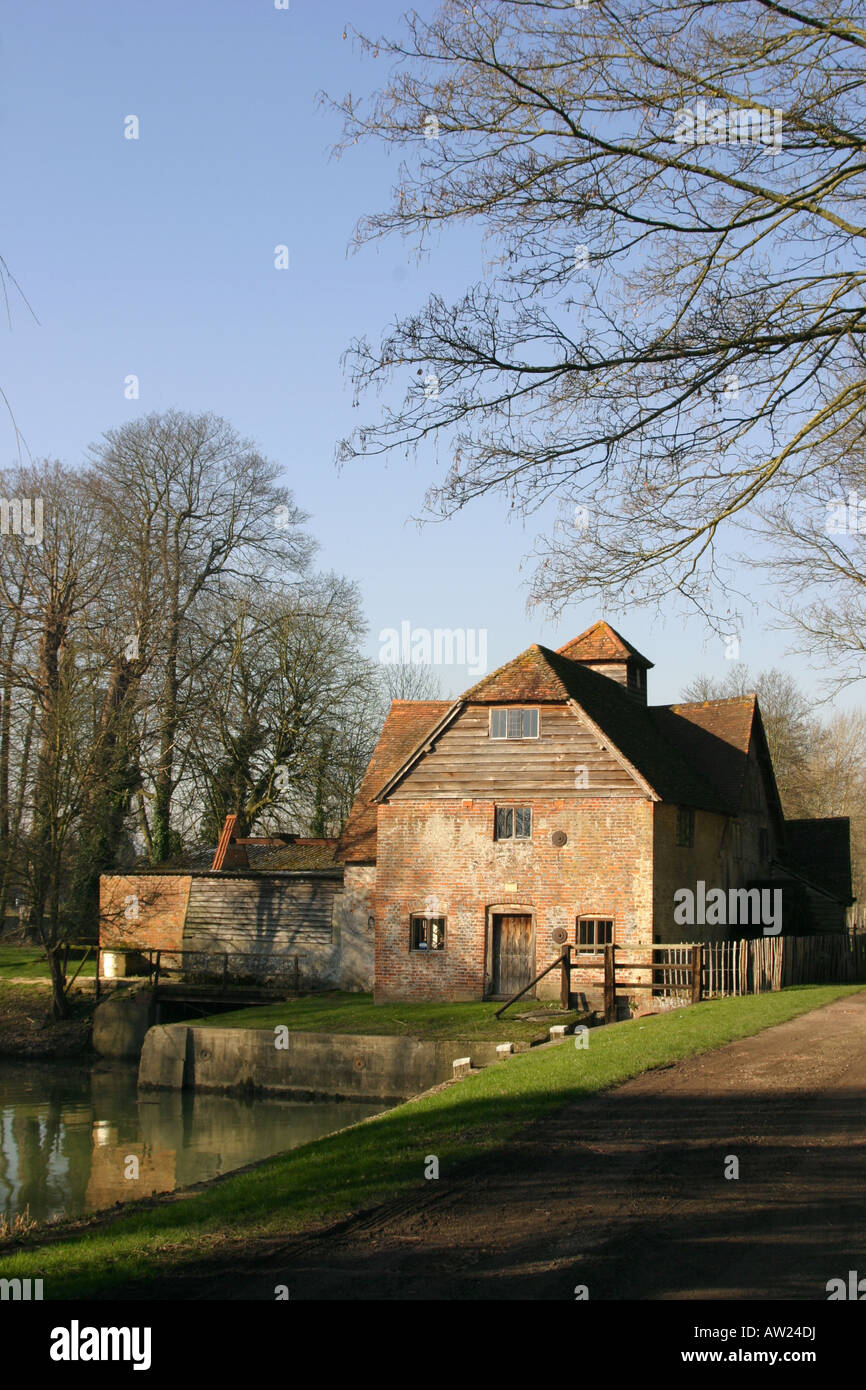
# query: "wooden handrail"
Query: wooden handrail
{"points": [[71, 982]]}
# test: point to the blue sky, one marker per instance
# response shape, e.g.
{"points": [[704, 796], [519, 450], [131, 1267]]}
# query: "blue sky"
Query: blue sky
{"points": [[155, 257]]}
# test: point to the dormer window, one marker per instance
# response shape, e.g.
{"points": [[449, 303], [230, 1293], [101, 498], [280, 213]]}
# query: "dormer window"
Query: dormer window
{"points": [[514, 723]]}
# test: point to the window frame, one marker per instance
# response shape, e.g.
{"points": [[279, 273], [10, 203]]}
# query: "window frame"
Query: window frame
{"points": [[513, 808], [513, 709], [427, 918], [689, 841], [595, 946]]}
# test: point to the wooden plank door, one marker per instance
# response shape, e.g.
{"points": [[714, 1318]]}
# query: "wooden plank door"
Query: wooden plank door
{"points": [[512, 952]]}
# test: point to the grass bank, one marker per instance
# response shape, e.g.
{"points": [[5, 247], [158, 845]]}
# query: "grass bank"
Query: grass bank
{"points": [[383, 1158], [29, 963], [338, 1012]]}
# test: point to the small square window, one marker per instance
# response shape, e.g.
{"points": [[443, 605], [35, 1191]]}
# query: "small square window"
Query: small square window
{"points": [[514, 723], [595, 931], [685, 827], [427, 934], [513, 823]]}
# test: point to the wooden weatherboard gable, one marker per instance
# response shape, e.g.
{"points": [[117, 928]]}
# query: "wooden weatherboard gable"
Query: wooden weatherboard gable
{"points": [[465, 762], [613, 752]]}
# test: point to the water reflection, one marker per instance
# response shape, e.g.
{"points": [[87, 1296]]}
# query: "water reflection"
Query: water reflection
{"points": [[76, 1138]]}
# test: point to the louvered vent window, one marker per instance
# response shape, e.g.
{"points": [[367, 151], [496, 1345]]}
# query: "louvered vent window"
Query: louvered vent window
{"points": [[514, 723]]}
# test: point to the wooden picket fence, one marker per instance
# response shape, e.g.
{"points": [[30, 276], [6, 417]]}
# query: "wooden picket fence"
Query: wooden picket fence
{"points": [[686, 972]]}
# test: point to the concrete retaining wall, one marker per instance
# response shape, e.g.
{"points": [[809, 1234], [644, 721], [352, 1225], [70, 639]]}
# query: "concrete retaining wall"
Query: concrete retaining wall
{"points": [[338, 1065], [120, 1025]]}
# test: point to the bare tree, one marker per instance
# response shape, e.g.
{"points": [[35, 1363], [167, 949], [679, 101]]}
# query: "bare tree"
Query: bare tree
{"points": [[280, 683], [818, 559], [48, 582], [208, 508], [673, 322], [408, 681]]}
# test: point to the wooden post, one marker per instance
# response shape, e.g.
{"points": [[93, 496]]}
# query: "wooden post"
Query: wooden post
{"points": [[565, 979], [225, 969], [98, 954], [609, 984], [297, 974], [697, 973], [156, 974]]}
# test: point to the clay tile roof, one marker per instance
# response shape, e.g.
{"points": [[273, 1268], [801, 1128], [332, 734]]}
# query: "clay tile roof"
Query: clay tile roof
{"points": [[714, 736], [690, 754], [407, 723], [540, 675], [820, 850], [528, 677], [297, 855], [302, 854], [632, 728], [601, 642]]}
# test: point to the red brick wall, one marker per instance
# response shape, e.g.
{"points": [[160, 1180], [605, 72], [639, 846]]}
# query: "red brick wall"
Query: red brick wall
{"points": [[440, 858], [145, 910]]}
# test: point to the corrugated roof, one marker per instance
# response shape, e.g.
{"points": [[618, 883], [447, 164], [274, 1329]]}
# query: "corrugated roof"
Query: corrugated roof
{"points": [[407, 723]]}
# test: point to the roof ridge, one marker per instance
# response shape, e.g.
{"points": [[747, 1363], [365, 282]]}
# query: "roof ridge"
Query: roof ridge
{"points": [[700, 704], [437, 701]]}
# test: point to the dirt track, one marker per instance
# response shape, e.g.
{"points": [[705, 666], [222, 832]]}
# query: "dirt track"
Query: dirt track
{"points": [[626, 1193]]}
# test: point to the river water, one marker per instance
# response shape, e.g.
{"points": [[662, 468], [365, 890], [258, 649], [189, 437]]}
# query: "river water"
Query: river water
{"points": [[77, 1137]]}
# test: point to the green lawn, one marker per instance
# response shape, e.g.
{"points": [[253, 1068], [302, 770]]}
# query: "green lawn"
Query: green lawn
{"points": [[384, 1157], [29, 963], [337, 1012]]}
